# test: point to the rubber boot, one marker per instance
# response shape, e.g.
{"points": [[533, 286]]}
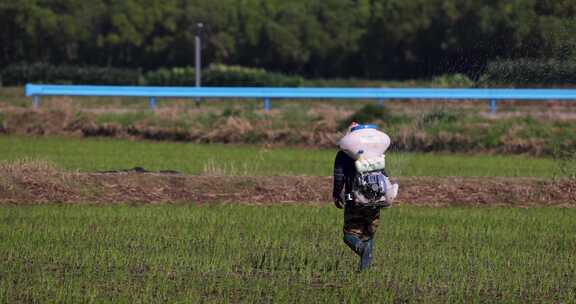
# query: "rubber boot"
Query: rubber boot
{"points": [[354, 243], [366, 257]]}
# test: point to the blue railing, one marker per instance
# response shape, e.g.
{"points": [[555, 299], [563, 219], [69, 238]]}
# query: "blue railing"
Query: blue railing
{"points": [[265, 93]]}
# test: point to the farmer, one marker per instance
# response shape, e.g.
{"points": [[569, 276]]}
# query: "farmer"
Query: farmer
{"points": [[361, 215]]}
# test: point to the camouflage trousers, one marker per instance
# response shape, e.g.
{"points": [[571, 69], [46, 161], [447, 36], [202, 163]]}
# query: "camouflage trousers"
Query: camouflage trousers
{"points": [[361, 221]]}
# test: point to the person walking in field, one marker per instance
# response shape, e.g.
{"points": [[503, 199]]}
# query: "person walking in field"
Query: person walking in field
{"points": [[361, 186]]}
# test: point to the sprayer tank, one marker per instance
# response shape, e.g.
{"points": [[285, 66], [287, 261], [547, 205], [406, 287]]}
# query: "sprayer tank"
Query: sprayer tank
{"points": [[364, 141]]}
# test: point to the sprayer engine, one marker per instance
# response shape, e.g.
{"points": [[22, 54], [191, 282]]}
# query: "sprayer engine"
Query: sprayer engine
{"points": [[372, 185]]}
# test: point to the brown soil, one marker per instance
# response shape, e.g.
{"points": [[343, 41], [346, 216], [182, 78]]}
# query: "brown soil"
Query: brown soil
{"points": [[50, 185]]}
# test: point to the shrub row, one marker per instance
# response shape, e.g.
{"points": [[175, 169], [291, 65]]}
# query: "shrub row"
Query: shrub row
{"points": [[222, 75], [215, 75], [524, 72], [20, 74]]}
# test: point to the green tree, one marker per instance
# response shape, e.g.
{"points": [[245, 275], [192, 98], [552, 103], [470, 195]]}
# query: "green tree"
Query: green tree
{"points": [[318, 38]]}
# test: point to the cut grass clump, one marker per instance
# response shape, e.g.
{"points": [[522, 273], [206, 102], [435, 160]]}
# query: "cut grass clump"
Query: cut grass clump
{"points": [[214, 168], [438, 116], [372, 113], [123, 119], [28, 166], [24, 178]]}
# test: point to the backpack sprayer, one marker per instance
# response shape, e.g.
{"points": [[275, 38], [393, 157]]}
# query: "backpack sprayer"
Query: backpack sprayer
{"points": [[367, 145]]}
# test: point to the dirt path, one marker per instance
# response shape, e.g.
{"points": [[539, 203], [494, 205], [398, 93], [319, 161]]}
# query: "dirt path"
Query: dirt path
{"points": [[46, 186]]}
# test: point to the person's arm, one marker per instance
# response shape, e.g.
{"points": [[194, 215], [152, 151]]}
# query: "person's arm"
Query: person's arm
{"points": [[339, 179]]}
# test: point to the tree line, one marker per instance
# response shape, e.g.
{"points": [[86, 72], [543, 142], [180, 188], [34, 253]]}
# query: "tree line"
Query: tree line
{"points": [[315, 38]]}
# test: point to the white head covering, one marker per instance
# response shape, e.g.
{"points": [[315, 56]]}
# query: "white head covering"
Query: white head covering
{"points": [[364, 141]]}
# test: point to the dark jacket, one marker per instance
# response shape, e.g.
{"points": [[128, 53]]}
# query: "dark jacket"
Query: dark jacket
{"points": [[344, 172]]}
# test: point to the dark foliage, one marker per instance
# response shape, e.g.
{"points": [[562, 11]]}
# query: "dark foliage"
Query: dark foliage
{"points": [[529, 72], [370, 113], [20, 74], [315, 38]]}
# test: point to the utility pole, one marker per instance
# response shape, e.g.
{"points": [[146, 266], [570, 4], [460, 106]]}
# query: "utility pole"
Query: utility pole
{"points": [[198, 54]]}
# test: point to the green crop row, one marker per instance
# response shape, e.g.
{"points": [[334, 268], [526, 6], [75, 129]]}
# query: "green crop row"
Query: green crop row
{"points": [[283, 254], [113, 154]]}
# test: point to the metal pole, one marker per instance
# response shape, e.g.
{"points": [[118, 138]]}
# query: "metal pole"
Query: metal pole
{"points": [[198, 53], [493, 106], [266, 104], [35, 101], [152, 103]]}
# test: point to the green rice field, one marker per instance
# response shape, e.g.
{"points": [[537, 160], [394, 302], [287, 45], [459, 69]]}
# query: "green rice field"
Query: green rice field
{"points": [[234, 253], [283, 254], [97, 154]]}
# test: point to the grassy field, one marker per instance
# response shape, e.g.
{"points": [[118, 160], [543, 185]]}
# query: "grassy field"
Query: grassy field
{"points": [[527, 128], [283, 254], [112, 154]]}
